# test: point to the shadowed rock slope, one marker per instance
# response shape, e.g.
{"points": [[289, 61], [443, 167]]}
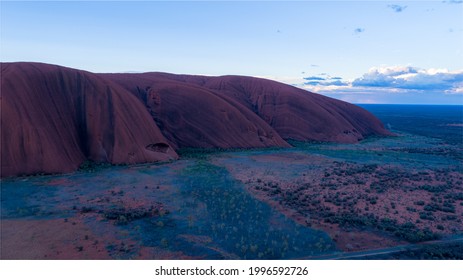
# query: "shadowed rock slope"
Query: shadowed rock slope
{"points": [[54, 118]]}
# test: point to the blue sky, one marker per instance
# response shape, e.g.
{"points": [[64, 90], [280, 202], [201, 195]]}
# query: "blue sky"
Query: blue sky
{"points": [[358, 51]]}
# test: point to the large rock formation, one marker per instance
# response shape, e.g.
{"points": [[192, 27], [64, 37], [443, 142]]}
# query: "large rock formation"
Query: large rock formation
{"points": [[292, 112], [54, 118], [193, 116]]}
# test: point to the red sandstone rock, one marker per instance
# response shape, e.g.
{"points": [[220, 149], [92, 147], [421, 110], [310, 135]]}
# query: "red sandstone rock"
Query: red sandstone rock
{"points": [[298, 114], [192, 116], [292, 112], [54, 118]]}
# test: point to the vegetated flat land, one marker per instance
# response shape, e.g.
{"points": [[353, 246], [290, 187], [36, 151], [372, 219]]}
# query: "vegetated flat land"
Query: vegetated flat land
{"points": [[381, 192], [302, 202]]}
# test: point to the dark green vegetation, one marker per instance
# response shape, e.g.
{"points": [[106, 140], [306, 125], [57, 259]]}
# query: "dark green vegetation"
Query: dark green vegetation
{"points": [[243, 225], [91, 166], [449, 251], [206, 153]]}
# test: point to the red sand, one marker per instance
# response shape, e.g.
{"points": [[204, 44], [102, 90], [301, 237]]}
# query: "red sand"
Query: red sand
{"points": [[54, 118], [51, 239]]}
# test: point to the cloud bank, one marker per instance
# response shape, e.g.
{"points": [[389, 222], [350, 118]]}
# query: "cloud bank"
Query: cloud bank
{"points": [[412, 78], [328, 81], [402, 84]]}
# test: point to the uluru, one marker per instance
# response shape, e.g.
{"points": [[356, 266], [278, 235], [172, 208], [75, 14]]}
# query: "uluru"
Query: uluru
{"points": [[54, 118]]}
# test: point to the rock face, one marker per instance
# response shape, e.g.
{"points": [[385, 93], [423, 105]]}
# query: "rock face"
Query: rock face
{"points": [[297, 114], [293, 113], [54, 118], [193, 116]]}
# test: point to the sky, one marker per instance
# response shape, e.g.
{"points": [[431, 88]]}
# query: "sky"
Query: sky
{"points": [[358, 51]]}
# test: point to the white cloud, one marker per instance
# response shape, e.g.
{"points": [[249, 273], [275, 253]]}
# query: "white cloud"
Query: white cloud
{"points": [[411, 78], [389, 84]]}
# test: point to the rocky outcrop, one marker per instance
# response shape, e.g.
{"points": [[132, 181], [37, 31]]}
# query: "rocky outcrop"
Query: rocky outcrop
{"points": [[54, 118]]}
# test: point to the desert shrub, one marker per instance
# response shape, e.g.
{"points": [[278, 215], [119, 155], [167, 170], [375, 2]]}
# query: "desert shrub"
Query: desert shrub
{"points": [[431, 207], [86, 209], [434, 189], [426, 216], [91, 166], [123, 216], [448, 209], [198, 153], [378, 187], [407, 231], [450, 217], [450, 251]]}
